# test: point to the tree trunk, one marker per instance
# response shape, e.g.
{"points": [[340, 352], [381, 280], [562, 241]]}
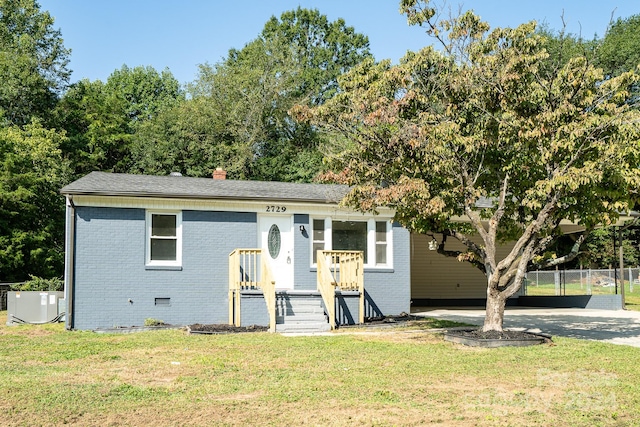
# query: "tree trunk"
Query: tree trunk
{"points": [[495, 311]]}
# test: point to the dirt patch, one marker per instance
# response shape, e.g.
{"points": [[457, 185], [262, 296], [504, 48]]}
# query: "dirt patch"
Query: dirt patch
{"points": [[223, 329]]}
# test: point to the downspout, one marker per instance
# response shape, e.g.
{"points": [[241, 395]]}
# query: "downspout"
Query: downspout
{"points": [[70, 261]]}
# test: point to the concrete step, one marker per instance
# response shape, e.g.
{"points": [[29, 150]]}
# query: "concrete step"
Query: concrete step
{"points": [[301, 313], [305, 327], [300, 302], [306, 309], [299, 305], [317, 315]]}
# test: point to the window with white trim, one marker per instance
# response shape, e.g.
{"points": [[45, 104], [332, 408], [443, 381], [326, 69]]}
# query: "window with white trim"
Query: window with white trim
{"points": [[350, 236], [381, 242], [371, 237], [164, 239], [318, 242]]}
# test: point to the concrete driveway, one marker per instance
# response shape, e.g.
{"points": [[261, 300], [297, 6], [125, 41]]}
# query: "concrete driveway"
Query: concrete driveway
{"points": [[617, 327]]}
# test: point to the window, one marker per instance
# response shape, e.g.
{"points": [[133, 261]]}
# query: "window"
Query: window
{"points": [[371, 237], [381, 242], [349, 236], [318, 238], [164, 239]]}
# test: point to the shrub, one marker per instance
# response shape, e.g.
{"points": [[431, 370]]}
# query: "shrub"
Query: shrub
{"points": [[40, 284], [153, 322]]}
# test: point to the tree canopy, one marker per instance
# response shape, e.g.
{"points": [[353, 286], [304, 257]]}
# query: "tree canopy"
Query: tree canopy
{"points": [[480, 139], [619, 51], [620, 48], [101, 119], [33, 62], [238, 117], [505, 101], [31, 213]]}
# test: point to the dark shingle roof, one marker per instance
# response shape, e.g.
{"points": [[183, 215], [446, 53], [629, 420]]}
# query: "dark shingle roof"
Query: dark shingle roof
{"points": [[113, 184]]}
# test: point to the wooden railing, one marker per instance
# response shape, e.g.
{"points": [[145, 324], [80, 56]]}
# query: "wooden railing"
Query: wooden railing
{"points": [[343, 270], [249, 269]]}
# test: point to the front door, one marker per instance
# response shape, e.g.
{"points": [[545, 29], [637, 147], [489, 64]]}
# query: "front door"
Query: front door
{"points": [[276, 241]]}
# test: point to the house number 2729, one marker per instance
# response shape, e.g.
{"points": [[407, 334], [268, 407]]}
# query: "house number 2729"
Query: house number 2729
{"points": [[276, 208]]}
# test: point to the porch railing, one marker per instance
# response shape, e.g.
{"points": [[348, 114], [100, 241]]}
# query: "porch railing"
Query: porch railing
{"points": [[342, 270], [249, 270]]}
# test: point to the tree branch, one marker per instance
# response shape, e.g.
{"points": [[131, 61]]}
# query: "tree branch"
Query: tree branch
{"points": [[477, 262], [573, 253]]}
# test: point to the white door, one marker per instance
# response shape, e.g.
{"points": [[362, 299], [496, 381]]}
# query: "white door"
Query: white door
{"points": [[276, 241]]}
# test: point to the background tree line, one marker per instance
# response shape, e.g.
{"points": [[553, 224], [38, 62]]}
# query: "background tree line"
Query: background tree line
{"points": [[235, 114]]}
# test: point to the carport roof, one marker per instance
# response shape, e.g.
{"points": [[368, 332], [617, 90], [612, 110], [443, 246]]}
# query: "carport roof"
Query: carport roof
{"points": [[114, 184]]}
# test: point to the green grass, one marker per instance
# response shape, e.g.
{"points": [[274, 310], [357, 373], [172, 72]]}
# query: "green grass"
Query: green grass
{"points": [[49, 376]]}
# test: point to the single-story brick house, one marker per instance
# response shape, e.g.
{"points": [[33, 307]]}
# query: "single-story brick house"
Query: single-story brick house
{"points": [[167, 248], [159, 247]]}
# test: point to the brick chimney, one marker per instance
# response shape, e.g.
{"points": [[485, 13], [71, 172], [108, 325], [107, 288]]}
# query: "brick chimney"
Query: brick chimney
{"points": [[219, 173]]}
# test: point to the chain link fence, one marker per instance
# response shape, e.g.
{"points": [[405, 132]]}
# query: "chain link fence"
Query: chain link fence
{"points": [[580, 282]]}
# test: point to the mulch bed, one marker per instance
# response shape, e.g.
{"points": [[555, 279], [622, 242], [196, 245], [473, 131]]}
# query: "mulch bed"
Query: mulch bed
{"points": [[224, 329], [494, 335], [230, 329], [495, 339], [402, 317]]}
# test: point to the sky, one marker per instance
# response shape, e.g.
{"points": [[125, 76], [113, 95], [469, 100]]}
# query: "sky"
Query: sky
{"points": [[104, 35]]}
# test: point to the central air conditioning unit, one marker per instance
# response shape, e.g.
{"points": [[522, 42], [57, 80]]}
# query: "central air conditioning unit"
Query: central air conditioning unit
{"points": [[34, 307]]}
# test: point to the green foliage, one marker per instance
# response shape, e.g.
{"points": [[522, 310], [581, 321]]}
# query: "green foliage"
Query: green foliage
{"points": [[237, 116], [193, 138], [620, 48], [145, 92], [324, 50], [102, 118], [40, 284], [562, 47], [33, 62], [486, 122], [599, 251], [31, 210], [619, 51], [153, 322]]}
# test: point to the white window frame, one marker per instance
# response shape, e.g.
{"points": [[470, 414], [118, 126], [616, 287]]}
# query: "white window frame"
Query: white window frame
{"points": [[371, 239], [178, 237]]}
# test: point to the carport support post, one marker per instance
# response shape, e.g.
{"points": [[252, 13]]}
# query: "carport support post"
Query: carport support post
{"points": [[621, 267]]}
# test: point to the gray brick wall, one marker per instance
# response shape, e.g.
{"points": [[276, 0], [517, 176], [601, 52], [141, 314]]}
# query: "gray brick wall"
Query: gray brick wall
{"points": [[253, 310], [113, 287], [388, 292], [347, 308]]}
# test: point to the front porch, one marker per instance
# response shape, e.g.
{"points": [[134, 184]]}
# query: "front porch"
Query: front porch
{"points": [[340, 296]]}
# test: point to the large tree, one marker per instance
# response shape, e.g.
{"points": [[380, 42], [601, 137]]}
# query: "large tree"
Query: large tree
{"points": [[480, 143], [237, 116], [33, 62], [101, 119], [619, 50], [31, 214]]}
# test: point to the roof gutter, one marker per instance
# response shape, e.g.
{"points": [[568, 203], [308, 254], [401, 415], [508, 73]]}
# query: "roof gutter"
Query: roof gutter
{"points": [[195, 196]]}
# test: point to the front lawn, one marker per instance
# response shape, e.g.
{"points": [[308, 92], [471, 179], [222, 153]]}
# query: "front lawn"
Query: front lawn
{"points": [[49, 376]]}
